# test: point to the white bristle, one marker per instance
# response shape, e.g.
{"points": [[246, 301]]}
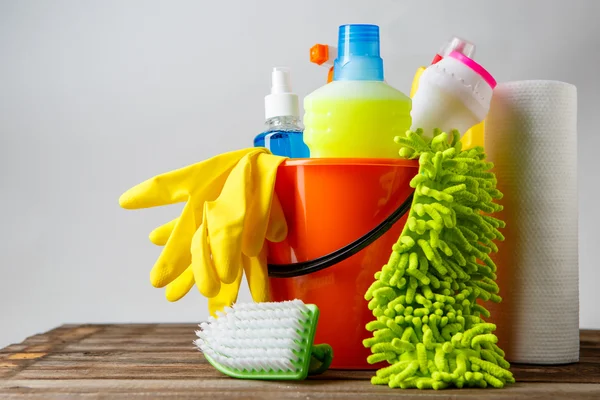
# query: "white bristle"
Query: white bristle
{"points": [[256, 336]]}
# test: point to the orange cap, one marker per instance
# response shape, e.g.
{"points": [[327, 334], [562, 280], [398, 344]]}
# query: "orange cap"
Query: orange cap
{"points": [[319, 53]]}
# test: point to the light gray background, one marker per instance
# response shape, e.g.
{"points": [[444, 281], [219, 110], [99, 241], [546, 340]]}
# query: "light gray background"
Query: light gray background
{"points": [[96, 96]]}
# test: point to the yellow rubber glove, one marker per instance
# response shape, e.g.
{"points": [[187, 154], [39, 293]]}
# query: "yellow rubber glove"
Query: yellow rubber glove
{"points": [[231, 230], [232, 235], [236, 222], [254, 267], [194, 184]]}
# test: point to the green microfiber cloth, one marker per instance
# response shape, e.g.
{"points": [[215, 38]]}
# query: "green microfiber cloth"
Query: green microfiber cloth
{"points": [[427, 299]]}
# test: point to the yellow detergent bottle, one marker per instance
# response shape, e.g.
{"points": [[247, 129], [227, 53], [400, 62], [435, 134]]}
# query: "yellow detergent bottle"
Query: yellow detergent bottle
{"points": [[357, 115], [476, 135]]}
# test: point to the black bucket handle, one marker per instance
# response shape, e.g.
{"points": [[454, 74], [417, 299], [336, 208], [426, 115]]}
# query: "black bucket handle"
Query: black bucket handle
{"points": [[308, 267]]}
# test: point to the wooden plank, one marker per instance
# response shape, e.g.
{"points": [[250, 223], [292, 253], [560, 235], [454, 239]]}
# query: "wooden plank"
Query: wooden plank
{"points": [[150, 340], [151, 365], [158, 356], [146, 360], [115, 372], [157, 333], [195, 367], [589, 338], [40, 345], [147, 327], [13, 348], [131, 347], [233, 388], [590, 355], [570, 373]]}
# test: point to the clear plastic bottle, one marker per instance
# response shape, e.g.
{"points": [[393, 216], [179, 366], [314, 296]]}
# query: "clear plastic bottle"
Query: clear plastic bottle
{"points": [[284, 136]]}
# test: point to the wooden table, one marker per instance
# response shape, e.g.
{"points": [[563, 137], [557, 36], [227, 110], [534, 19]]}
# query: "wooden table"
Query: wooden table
{"points": [[160, 361]]}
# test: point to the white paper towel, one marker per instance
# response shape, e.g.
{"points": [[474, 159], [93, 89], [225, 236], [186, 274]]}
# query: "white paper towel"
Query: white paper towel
{"points": [[531, 136]]}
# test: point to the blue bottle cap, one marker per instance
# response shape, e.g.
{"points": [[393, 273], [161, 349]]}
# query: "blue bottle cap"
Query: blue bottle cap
{"points": [[358, 54]]}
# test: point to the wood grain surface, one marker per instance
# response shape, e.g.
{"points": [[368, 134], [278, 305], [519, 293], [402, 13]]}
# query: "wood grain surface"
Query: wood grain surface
{"points": [[160, 361]]}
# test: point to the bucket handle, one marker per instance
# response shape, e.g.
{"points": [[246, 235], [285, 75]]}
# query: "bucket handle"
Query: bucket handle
{"points": [[308, 267]]}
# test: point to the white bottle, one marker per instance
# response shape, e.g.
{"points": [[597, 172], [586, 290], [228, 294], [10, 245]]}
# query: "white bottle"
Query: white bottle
{"points": [[454, 93]]}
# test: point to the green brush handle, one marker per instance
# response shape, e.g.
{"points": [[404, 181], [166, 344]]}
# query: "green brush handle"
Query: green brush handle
{"points": [[321, 357]]}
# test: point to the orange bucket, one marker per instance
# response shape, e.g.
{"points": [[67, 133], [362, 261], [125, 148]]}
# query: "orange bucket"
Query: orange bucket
{"points": [[343, 217]]}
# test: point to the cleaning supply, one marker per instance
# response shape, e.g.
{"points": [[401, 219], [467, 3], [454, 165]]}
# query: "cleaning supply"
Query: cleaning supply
{"points": [[454, 93], [428, 299], [455, 44], [343, 216], [358, 114], [230, 211], [475, 135], [269, 341], [324, 55], [531, 133], [283, 136]]}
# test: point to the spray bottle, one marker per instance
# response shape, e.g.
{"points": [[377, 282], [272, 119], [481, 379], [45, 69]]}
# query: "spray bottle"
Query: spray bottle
{"points": [[283, 135]]}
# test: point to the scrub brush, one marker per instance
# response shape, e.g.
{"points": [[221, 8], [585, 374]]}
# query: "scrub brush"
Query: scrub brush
{"points": [[270, 341]]}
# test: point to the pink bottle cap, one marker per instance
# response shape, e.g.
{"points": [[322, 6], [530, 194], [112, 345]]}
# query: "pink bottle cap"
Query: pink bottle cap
{"points": [[469, 62]]}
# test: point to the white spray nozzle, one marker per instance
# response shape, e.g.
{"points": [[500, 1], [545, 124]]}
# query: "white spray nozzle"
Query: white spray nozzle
{"points": [[280, 80], [281, 102]]}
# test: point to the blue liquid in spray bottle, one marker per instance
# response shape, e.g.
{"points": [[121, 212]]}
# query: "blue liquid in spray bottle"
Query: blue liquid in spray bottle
{"points": [[283, 136]]}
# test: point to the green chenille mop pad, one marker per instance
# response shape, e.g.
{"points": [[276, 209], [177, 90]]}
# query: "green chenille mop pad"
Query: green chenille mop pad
{"points": [[429, 324]]}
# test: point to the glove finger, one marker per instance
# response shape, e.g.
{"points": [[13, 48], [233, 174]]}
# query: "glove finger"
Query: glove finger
{"points": [[206, 277], [255, 269], [160, 235], [180, 286], [277, 228], [174, 186], [226, 217], [227, 295], [263, 174], [175, 257]]}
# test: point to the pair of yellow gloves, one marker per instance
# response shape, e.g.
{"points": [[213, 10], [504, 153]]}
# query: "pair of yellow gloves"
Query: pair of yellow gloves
{"points": [[230, 210]]}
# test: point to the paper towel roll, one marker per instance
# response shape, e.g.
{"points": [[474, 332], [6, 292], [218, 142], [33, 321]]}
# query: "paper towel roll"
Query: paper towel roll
{"points": [[531, 137]]}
